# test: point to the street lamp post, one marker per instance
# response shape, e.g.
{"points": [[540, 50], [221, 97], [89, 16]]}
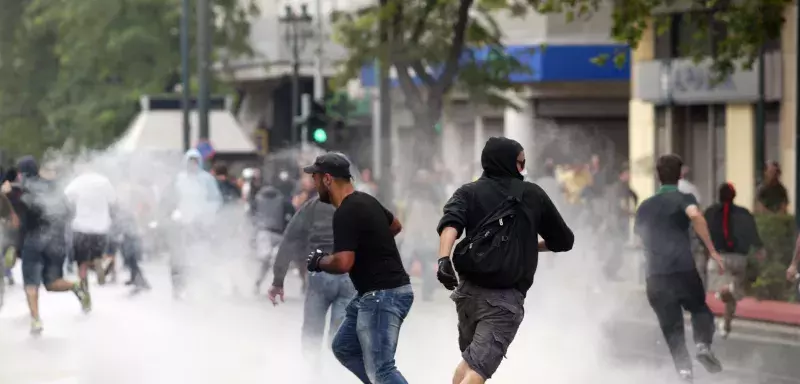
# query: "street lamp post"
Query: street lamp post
{"points": [[296, 33]]}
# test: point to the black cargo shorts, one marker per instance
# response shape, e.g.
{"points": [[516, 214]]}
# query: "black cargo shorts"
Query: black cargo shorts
{"points": [[488, 320]]}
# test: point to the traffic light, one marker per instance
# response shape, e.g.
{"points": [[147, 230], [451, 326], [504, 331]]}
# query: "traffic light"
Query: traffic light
{"points": [[318, 122], [319, 135]]}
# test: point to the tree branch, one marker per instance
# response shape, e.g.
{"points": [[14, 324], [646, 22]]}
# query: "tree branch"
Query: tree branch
{"points": [[419, 28], [413, 97], [422, 73], [447, 78]]}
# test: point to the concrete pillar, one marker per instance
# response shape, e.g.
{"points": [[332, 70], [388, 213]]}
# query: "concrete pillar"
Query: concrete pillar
{"points": [[641, 127], [739, 152], [642, 147], [519, 124]]}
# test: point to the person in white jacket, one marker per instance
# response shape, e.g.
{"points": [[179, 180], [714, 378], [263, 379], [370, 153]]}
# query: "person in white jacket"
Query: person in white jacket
{"points": [[193, 202]]}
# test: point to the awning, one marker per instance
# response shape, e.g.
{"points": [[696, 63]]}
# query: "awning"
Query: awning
{"points": [[162, 130]]}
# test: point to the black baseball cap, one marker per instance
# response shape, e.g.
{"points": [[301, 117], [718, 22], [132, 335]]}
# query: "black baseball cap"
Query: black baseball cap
{"points": [[334, 164]]}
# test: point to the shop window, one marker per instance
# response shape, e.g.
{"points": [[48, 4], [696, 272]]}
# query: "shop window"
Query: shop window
{"points": [[662, 144], [772, 132], [719, 121], [679, 31]]}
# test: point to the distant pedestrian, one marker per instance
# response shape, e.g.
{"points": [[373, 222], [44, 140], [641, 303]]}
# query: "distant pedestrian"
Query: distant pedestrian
{"points": [[43, 214], [686, 186], [734, 233], [771, 195]]}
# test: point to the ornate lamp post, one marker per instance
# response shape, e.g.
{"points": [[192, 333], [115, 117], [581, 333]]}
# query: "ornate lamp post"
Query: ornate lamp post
{"points": [[297, 31]]}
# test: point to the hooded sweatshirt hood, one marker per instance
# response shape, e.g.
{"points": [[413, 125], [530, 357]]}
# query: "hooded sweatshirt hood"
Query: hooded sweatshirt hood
{"points": [[27, 166], [197, 193], [499, 158], [193, 154]]}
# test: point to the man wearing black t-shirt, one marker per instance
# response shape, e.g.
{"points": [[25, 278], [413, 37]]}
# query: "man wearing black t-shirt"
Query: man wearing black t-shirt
{"points": [[673, 283], [364, 247]]}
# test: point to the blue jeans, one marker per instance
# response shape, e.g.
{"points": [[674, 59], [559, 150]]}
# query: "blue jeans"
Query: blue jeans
{"points": [[367, 339], [324, 291]]}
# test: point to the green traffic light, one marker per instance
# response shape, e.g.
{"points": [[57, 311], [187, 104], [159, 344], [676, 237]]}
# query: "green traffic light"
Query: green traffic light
{"points": [[320, 136]]}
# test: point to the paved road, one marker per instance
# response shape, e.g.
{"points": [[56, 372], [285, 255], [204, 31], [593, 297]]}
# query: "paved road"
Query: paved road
{"points": [[569, 336]]}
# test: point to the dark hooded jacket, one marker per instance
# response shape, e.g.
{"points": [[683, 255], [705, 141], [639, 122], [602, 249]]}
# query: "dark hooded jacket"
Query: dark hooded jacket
{"points": [[270, 209], [44, 210], [311, 228], [473, 201]]}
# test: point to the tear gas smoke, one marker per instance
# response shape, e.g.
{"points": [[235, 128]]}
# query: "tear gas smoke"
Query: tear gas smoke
{"points": [[222, 333]]}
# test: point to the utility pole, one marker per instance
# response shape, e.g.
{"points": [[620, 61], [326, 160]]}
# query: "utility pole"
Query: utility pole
{"points": [[382, 141], [319, 80], [797, 123], [305, 113], [187, 129], [203, 63], [761, 121], [377, 155], [295, 35]]}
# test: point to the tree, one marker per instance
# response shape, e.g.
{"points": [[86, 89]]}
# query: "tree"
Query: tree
{"points": [[76, 69], [740, 28], [437, 46], [426, 42]]}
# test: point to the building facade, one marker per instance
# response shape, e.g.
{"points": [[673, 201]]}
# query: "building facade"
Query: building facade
{"points": [[570, 107], [676, 107]]}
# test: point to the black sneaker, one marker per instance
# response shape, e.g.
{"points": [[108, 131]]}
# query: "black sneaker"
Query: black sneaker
{"points": [[707, 358]]}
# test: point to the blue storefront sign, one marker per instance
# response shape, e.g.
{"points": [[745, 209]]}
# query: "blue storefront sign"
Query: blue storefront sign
{"points": [[551, 63]]}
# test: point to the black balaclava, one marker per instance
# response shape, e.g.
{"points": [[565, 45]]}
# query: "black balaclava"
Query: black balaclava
{"points": [[499, 158], [27, 166]]}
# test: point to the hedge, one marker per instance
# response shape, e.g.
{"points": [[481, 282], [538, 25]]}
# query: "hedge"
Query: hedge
{"points": [[767, 279]]}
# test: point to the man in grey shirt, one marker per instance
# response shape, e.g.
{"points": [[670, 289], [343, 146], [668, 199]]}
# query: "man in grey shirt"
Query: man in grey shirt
{"points": [[686, 186], [310, 229]]}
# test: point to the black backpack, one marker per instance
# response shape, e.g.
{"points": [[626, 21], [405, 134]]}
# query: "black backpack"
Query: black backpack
{"points": [[494, 255]]}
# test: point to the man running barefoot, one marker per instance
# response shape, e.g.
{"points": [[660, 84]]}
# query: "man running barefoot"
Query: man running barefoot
{"points": [[43, 213]]}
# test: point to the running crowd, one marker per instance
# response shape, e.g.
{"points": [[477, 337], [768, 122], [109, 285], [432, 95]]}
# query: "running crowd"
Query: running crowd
{"points": [[344, 239]]}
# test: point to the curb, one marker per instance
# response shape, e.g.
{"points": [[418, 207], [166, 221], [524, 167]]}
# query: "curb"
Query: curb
{"points": [[753, 329]]}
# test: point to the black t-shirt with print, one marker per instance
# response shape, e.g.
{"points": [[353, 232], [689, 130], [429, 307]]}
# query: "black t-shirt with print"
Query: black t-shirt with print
{"points": [[362, 225]]}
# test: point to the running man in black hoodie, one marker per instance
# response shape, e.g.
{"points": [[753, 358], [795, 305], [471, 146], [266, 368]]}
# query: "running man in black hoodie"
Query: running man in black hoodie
{"points": [[488, 318], [43, 216]]}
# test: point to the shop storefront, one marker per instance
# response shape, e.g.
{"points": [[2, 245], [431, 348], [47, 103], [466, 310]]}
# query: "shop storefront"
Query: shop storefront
{"points": [[711, 125]]}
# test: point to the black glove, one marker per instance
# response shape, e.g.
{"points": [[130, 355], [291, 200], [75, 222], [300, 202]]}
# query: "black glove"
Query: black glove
{"points": [[446, 274], [313, 261]]}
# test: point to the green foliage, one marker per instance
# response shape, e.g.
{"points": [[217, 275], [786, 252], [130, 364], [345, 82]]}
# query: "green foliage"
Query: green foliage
{"points": [[768, 277], [747, 26], [426, 39], [76, 69]]}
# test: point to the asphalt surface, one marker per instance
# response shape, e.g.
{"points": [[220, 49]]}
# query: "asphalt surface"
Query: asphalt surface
{"points": [[572, 333]]}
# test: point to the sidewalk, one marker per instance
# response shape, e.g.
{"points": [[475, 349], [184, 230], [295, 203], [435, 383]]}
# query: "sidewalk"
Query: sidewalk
{"points": [[755, 320]]}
